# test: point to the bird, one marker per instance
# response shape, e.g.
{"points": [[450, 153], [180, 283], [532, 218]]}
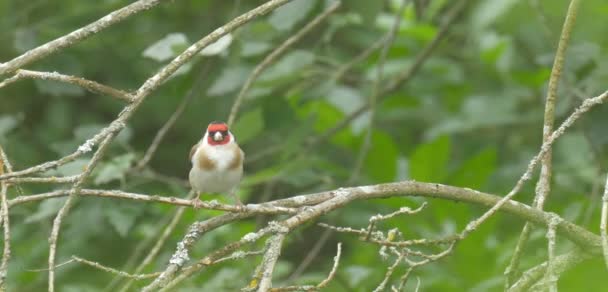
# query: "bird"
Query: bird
{"points": [[217, 163]]}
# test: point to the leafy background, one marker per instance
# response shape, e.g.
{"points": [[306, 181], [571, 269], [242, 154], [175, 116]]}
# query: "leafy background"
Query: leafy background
{"points": [[471, 117]]}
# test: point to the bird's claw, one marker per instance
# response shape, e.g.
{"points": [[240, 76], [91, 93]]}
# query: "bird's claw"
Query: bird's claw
{"points": [[240, 207], [197, 203]]}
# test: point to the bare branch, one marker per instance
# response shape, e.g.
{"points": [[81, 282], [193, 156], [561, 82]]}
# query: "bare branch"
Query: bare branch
{"points": [[389, 273], [211, 205], [76, 36], [323, 283], [583, 108], [78, 81], [550, 276], [113, 128], [73, 193], [332, 273], [428, 259], [6, 252], [543, 187], [160, 135], [44, 180], [604, 221], [161, 240], [561, 264], [270, 259], [403, 77], [114, 271]]}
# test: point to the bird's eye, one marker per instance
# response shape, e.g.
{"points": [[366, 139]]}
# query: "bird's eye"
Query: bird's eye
{"points": [[224, 133]]}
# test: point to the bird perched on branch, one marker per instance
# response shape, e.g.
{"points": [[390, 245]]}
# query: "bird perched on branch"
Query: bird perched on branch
{"points": [[217, 163]]}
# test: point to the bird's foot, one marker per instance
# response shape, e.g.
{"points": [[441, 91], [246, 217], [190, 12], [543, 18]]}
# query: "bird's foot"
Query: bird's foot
{"points": [[239, 206], [197, 203]]}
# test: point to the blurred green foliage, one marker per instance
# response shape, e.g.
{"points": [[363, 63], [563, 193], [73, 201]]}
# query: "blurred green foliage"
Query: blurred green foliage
{"points": [[471, 117]]}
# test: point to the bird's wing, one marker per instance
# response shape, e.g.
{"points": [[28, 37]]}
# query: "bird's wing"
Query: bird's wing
{"points": [[193, 150]]}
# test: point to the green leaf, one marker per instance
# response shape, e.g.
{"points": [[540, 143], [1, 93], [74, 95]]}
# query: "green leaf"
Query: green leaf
{"points": [[115, 169], [46, 209], [254, 48], [223, 280], [230, 79], [162, 50], [356, 274], [429, 161], [7, 124], [121, 217], [71, 168], [286, 16], [475, 172], [58, 88], [489, 11], [249, 125], [218, 47], [288, 65]]}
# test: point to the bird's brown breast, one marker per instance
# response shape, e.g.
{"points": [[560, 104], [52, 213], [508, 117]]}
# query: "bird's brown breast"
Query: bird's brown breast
{"points": [[204, 162], [237, 159]]}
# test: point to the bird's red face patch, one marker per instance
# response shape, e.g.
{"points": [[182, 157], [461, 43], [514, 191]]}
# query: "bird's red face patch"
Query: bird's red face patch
{"points": [[217, 133]]}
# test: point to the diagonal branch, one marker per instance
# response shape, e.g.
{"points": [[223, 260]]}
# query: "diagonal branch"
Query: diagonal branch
{"points": [[76, 36], [405, 76], [583, 108]]}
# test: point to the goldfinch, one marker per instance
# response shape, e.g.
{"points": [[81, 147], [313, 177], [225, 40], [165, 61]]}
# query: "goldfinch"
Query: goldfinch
{"points": [[217, 163]]}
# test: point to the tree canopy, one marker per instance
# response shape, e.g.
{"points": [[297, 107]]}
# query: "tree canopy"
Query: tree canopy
{"points": [[378, 135]]}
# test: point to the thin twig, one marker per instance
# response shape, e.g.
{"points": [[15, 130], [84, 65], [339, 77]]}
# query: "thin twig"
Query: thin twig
{"points": [[160, 135], [311, 255], [44, 180], [73, 193], [322, 284], [269, 261], [583, 108], [427, 259], [403, 77], [6, 252], [167, 281], [543, 187], [114, 271], [376, 218], [86, 147], [239, 255], [604, 221], [389, 273], [77, 35], [561, 264], [274, 55], [550, 276], [78, 81], [160, 241]]}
